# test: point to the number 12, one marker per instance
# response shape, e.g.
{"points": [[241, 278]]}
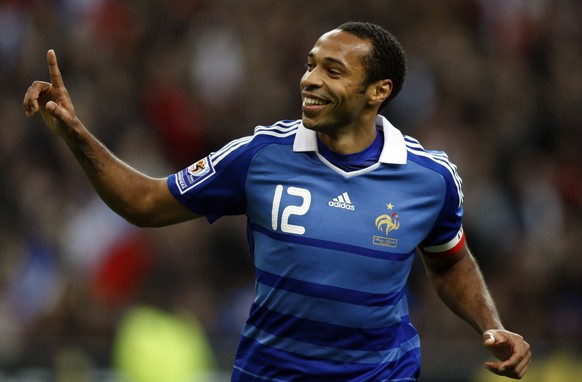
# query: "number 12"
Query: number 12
{"points": [[290, 210]]}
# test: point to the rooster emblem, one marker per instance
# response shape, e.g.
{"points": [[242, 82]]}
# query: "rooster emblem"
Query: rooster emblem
{"points": [[387, 223]]}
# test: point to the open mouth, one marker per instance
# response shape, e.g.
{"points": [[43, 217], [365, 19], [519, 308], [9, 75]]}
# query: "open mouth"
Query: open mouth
{"points": [[310, 101]]}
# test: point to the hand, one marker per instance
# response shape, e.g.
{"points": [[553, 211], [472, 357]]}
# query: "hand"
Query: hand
{"points": [[52, 100], [511, 349]]}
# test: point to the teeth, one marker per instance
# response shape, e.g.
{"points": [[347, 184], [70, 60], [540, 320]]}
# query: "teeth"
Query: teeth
{"points": [[313, 101]]}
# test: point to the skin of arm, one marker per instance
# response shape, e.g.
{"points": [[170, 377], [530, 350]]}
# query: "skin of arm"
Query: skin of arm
{"points": [[140, 199], [459, 283]]}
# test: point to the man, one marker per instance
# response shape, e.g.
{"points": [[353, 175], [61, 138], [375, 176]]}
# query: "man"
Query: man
{"points": [[337, 204]]}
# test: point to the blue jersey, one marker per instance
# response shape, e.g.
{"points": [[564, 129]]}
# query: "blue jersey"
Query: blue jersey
{"points": [[332, 249]]}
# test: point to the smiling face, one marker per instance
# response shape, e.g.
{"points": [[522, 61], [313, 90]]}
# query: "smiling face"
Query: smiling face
{"points": [[334, 98]]}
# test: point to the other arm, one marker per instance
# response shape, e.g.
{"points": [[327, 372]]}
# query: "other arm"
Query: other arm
{"points": [[459, 283], [140, 199]]}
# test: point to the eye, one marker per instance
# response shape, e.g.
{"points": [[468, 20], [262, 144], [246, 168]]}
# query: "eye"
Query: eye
{"points": [[309, 66], [334, 72]]}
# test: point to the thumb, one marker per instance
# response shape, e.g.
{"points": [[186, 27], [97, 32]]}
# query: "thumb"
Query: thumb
{"points": [[60, 120], [57, 111], [53, 108], [488, 338]]}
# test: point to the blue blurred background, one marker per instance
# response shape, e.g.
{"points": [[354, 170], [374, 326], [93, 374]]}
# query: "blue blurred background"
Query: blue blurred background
{"points": [[84, 296]]}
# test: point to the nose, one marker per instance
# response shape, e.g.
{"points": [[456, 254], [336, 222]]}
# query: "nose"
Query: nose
{"points": [[311, 79]]}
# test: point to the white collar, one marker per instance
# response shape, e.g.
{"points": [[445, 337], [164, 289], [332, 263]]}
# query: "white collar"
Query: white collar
{"points": [[393, 152]]}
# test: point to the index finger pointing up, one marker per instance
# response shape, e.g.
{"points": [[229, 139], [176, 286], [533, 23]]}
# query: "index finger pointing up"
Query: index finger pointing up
{"points": [[55, 73]]}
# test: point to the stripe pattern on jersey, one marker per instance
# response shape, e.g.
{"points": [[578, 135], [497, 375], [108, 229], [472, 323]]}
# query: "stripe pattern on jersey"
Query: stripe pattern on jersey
{"points": [[281, 129], [438, 157], [346, 325]]}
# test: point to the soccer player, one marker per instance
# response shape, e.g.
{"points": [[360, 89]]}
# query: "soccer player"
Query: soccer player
{"points": [[338, 203]]}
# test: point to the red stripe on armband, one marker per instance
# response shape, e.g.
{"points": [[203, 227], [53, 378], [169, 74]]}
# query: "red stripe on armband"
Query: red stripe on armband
{"points": [[448, 249]]}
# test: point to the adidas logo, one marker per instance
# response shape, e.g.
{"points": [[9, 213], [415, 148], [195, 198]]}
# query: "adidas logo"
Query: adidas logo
{"points": [[342, 201]]}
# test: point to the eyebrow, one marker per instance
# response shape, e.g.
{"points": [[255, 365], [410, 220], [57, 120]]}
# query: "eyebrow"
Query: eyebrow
{"points": [[329, 60]]}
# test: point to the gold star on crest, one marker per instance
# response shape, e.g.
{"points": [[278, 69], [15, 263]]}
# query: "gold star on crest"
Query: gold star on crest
{"points": [[390, 206]]}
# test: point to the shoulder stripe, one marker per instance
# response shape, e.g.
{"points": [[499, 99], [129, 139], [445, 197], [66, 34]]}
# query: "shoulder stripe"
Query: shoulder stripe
{"points": [[276, 133], [441, 158], [219, 155], [282, 126], [288, 122], [281, 129]]}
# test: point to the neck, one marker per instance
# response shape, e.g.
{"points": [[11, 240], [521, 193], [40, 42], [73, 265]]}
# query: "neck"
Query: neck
{"points": [[351, 140]]}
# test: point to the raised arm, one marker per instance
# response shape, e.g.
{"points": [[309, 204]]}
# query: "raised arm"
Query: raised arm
{"points": [[140, 199], [459, 283]]}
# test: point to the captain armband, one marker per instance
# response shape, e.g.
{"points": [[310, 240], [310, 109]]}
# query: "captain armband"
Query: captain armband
{"points": [[448, 249]]}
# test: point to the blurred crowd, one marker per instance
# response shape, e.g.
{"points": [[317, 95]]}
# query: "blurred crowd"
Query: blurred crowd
{"points": [[497, 84]]}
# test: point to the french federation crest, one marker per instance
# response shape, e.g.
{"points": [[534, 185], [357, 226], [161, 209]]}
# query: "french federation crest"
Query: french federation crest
{"points": [[387, 223]]}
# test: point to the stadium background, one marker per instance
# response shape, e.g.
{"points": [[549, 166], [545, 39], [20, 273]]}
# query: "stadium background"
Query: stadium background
{"points": [[495, 83]]}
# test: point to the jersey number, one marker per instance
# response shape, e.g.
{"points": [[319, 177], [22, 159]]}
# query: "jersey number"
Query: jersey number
{"points": [[289, 210]]}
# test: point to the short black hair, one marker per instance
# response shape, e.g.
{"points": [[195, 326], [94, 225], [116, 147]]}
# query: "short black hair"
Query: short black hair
{"points": [[386, 60]]}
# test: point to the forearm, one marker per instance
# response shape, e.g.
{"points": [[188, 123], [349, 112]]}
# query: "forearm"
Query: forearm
{"points": [[125, 190], [140, 199], [462, 288]]}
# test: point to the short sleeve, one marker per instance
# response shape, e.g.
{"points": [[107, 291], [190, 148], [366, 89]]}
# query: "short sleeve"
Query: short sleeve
{"points": [[447, 237], [214, 186]]}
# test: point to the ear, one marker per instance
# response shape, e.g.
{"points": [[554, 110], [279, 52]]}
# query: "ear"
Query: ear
{"points": [[379, 91]]}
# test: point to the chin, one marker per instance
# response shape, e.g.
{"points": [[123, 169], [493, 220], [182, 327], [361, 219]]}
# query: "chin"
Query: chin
{"points": [[309, 123]]}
